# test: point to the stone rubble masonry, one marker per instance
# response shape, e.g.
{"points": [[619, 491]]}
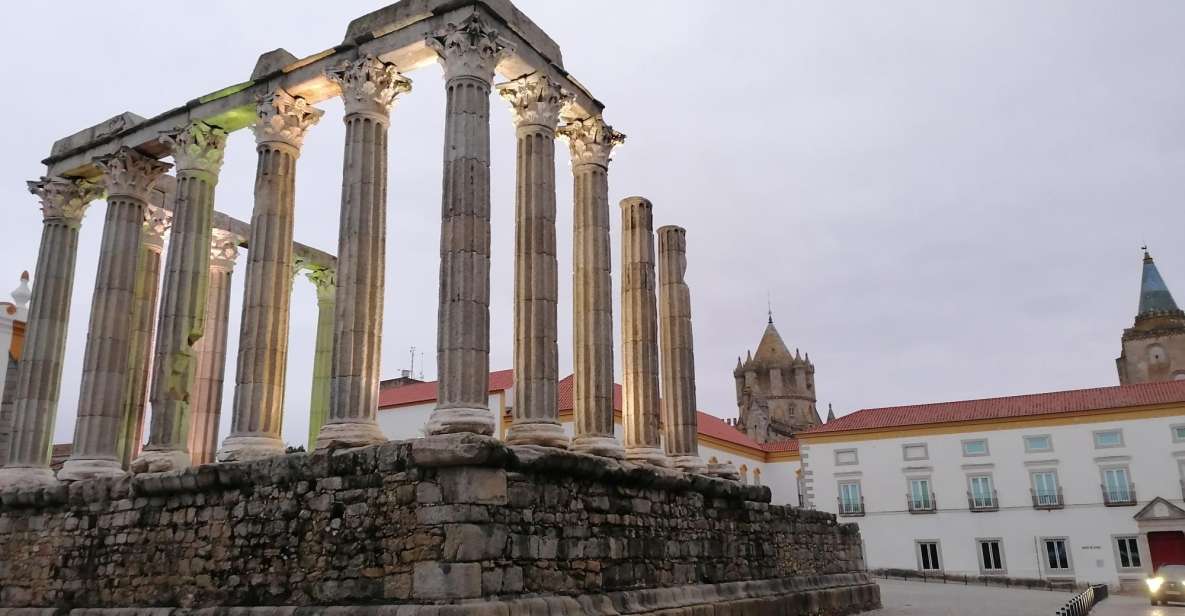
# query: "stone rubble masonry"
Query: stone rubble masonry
{"points": [[451, 524]]}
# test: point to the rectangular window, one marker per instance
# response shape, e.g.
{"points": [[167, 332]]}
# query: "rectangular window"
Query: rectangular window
{"points": [[991, 556], [1045, 489], [982, 495], [928, 556], [1057, 556], [1034, 444], [1129, 552], [1117, 486], [849, 498], [916, 451], [920, 497], [1178, 433], [844, 457], [1108, 438], [975, 447]]}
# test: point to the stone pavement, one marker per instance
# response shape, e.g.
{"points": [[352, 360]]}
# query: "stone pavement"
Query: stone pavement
{"points": [[930, 599], [1135, 606]]}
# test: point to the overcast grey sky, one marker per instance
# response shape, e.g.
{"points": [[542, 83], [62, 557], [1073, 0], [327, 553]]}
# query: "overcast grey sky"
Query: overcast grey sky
{"points": [[944, 199]]}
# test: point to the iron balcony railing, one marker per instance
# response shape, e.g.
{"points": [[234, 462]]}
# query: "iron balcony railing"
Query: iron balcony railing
{"points": [[851, 507], [1047, 499], [983, 502], [924, 503], [1119, 496]]}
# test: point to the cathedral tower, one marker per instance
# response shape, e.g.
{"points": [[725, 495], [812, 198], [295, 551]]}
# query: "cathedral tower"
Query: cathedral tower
{"points": [[1154, 347], [775, 390]]}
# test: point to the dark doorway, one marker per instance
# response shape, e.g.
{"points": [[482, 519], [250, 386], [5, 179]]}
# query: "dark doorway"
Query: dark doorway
{"points": [[1166, 548]]}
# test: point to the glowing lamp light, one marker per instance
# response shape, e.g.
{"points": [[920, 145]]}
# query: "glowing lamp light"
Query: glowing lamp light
{"points": [[1154, 583]]}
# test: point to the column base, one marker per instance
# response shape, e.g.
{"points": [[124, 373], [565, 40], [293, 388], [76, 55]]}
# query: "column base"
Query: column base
{"points": [[648, 455], [79, 469], [454, 420], [12, 477], [160, 461], [537, 432], [241, 448], [349, 434], [604, 446], [723, 471], [688, 464]]}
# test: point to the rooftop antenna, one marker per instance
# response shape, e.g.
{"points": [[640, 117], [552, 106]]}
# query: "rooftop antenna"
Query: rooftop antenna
{"points": [[411, 370], [769, 305], [421, 377]]}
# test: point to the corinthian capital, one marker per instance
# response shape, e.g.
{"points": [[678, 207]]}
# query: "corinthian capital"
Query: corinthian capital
{"points": [[591, 140], [535, 100], [284, 118], [224, 249], [470, 49], [197, 147], [324, 279], [157, 221], [369, 85], [64, 199], [129, 173]]}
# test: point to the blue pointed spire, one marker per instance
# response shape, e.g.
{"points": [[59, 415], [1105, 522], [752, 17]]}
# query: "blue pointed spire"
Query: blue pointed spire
{"points": [[1155, 297]]}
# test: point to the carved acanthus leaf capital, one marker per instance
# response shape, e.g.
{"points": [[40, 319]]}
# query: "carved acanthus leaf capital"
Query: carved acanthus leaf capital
{"points": [[470, 49], [284, 118], [129, 173], [591, 140], [535, 100], [64, 198], [224, 249], [198, 146], [157, 221], [369, 85], [325, 279]]}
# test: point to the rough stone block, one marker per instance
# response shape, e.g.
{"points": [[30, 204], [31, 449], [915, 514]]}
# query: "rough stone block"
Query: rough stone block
{"points": [[470, 542], [436, 581], [471, 484]]}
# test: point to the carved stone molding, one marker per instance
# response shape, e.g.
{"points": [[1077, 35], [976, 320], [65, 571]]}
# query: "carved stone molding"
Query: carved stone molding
{"points": [[284, 118], [591, 140], [470, 49], [224, 249], [369, 85], [157, 221], [131, 174], [535, 100], [198, 146], [63, 198]]}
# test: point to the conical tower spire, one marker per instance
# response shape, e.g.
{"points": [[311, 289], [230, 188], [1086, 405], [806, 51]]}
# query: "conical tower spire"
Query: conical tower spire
{"points": [[1155, 298]]}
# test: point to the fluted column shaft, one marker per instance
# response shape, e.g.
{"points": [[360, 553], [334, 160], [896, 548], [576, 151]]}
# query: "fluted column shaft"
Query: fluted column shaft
{"points": [[319, 399], [263, 335], [198, 150], [469, 53], [369, 87], [680, 430], [536, 102], [639, 335], [156, 223], [39, 374], [210, 351], [129, 177], [592, 286]]}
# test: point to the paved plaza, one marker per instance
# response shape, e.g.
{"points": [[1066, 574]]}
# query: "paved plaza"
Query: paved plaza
{"points": [[929, 599]]}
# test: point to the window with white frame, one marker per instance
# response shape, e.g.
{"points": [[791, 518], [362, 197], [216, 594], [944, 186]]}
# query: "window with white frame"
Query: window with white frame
{"points": [[1108, 438], [1045, 488], [845, 457], [1038, 443], [850, 497], [1056, 555], [975, 447], [1179, 433], [981, 492], [1128, 551], [928, 558], [915, 451], [920, 496], [1117, 486], [991, 556]]}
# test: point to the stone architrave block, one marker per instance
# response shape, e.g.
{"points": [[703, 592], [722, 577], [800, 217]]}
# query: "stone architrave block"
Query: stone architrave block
{"points": [[473, 485]]}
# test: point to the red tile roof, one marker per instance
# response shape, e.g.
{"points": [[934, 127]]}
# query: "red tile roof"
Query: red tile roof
{"points": [[426, 392], [1010, 407]]}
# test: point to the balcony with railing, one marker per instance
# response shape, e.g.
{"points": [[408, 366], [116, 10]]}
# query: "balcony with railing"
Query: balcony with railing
{"points": [[983, 502], [1048, 499], [922, 503], [850, 507], [1119, 496]]}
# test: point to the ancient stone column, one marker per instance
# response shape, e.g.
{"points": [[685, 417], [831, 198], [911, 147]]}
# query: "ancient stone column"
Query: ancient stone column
{"points": [[156, 223], [325, 282], [469, 53], [210, 350], [39, 376], [639, 335], [369, 87], [129, 177], [680, 430], [591, 141], [536, 102], [198, 151], [263, 335]]}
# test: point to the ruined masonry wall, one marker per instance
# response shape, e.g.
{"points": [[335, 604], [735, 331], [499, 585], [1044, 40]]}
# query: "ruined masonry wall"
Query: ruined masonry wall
{"points": [[428, 521]]}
